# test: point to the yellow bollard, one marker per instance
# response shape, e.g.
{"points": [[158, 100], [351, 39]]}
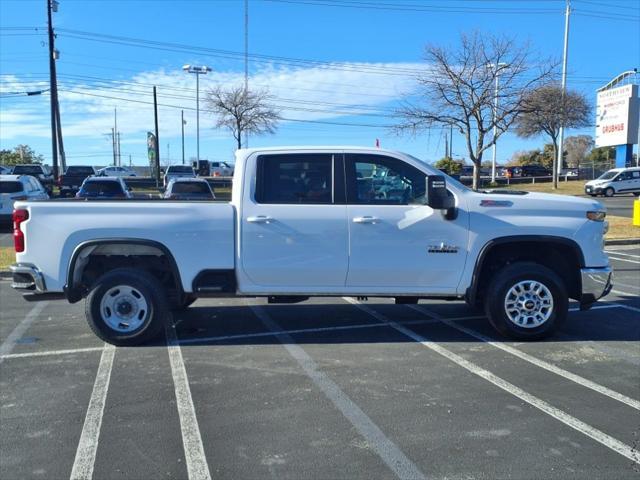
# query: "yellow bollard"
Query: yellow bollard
{"points": [[636, 213]]}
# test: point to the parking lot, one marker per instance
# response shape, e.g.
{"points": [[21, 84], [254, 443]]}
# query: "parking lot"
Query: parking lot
{"points": [[330, 388]]}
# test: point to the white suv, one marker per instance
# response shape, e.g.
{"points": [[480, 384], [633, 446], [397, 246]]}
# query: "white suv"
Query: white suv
{"points": [[14, 188], [617, 180]]}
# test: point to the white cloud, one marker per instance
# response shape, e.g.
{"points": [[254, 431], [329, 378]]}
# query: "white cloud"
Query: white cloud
{"points": [[87, 108]]}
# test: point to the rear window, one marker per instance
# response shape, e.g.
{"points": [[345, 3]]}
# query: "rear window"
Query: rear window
{"points": [[180, 169], [79, 171], [191, 187], [27, 170], [102, 188], [10, 187]]}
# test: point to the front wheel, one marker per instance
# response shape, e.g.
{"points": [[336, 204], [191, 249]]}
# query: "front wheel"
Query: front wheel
{"points": [[127, 307], [526, 301], [609, 192]]}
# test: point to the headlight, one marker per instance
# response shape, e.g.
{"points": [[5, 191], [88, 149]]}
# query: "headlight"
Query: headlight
{"points": [[596, 216]]}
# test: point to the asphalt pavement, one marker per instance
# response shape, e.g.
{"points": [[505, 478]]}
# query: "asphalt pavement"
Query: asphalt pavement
{"points": [[620, 206], [329, 388]]}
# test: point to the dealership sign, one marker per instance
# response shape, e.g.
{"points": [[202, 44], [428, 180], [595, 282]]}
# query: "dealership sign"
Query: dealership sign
{"points": [[617, 112]]}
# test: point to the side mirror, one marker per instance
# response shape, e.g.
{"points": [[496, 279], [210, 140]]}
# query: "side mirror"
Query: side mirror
{"points": [[438, 197]]}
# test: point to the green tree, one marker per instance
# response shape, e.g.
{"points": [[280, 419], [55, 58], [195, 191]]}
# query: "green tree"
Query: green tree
{"points": [[20, 154], [602, 155], [449, 165], [547, 109], [576, 149]]}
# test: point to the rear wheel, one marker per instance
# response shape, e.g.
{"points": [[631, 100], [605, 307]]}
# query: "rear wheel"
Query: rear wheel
{"points": [[526, 301], [608, 192], [127, 307]]}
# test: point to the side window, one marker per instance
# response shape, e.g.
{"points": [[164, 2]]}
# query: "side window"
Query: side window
{"points": [[295, 179], [379, 180], [624, 176], [635, 174]]}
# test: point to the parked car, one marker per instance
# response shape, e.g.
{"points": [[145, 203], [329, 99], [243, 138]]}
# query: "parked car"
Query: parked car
{"points": [[534, 171], [616, 180], [116, 172], [18, 187], [69, 182], [178, 171], [302, 223], [42, 172], [189, 189], [221, 169], [569, 172], [104, 187], [511, 172]]}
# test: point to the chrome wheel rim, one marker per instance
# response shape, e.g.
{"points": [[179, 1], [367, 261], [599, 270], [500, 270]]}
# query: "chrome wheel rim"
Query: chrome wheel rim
{"points": [[124, 309], [528, 304]]}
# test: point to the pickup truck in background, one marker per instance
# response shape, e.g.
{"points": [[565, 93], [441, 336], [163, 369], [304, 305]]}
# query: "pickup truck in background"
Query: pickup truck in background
{"points": [[42, 172], [71, 180], [318, 221]]}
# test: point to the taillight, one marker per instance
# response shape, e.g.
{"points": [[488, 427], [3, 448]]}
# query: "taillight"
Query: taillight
{"points": [[19, 216], [216, 174]]}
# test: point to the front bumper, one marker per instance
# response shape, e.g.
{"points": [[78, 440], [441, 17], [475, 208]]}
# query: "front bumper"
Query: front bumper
{"points": [[596, 283], [591, 190]]}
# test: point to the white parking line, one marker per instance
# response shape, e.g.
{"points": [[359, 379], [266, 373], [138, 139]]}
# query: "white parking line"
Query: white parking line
{"points": [[596, 307], [536, 361], [197, 467], [47, 353], [624, 259], [17, 333], [388, 451], [582, 427], [88, 444], [618, 252], [242, 336]]}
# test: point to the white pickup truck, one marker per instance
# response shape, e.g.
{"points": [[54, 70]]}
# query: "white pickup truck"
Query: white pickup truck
{"points": [[317, 221]]}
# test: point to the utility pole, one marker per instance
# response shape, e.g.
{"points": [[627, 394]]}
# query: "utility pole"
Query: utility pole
{"points": [[113, 145], [119, 154], [155, 116], [565, 54], [246, 62], [53, 89], [182, 124], [498, 67]]}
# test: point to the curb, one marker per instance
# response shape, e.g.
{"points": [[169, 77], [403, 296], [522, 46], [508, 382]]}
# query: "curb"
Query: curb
{"points": [[623, 241]]}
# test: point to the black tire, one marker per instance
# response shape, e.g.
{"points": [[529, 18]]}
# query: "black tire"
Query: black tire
{"points": [[186, 302], [609, 192], [510, 276], [152, 319]]}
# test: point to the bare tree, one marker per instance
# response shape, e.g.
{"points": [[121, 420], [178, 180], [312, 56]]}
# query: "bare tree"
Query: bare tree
{"points": [[459, 89], [547, 109], [242, 111], [577, 148]]}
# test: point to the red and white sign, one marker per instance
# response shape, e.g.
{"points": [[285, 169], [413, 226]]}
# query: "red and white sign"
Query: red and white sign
{"points": [[617, 116]]}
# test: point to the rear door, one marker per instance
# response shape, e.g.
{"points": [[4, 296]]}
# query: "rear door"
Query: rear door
{"points": [[294, 227], [397, 243]]}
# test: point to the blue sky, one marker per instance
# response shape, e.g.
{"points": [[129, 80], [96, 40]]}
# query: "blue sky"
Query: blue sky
{"points": [[338, 67]]}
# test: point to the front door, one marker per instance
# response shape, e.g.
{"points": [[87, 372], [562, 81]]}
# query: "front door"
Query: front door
{"points": [[294, 232], [396, 242]]}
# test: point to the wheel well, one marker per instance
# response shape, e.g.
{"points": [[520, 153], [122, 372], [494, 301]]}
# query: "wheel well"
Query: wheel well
{"points": [[93, 260], [561, 258]]}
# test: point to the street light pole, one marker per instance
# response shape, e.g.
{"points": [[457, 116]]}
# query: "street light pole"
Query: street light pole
{"points": [[182, 124], [498, 67], [198, 70], [565, 54]]}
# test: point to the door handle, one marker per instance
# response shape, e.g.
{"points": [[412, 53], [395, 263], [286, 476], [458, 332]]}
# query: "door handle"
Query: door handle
{"points": [[260, 219], [365, 219]]}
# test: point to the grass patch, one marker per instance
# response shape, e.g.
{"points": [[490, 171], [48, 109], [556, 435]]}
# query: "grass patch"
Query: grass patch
{"points": [[7, 257], [621, 228], [575, 187]]}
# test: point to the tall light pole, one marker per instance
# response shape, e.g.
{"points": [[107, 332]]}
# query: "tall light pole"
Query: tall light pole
{"points": [[497, 67], [565, 54], [198, 70]]}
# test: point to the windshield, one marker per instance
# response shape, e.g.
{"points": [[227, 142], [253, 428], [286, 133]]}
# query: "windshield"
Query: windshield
{"points": [[608, 175], [450, 180], [190, 187], [10, 187], [180, 169], [27, 169]]}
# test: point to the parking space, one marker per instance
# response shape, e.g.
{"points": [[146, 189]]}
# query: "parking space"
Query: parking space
{"points": [[329, 388]]}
